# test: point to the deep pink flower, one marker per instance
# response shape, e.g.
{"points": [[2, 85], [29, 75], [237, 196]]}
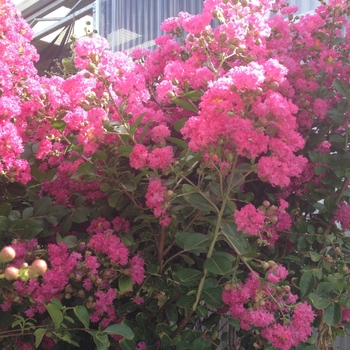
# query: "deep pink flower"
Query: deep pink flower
{"points": [[161, 158], [277, 273], [137, 269], [138, 156], [249, 219]]}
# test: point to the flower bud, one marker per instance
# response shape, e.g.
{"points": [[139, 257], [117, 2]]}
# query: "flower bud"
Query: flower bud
{"points": [[287, 289], [37, 268], [266, 204], [11, 273], [273, 219], [265, 265], [337, 250], [227, 287], [7, 254]]}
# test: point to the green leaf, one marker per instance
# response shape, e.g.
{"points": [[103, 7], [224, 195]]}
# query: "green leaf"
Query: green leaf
{"points": [[324, 289], [338, 282], [189, 275], [100, 155], [234, 322], [83, 315], [56, 315], [115, 199], [105, 187], [307, 283], [311, 347], [332, 314], [212, 296], [338, 40], [27, 213], [42, 206], [201, 344], [234, 238], [136, 124], [50, 174], [216, 189], [315, 256], [127, 308], [70, 241], [59, 125], [130, 186], [318, 302], [56, 302], [58, 211], [127, 344], [201, 311], [219, 265], [124, 150], [79, 216], [181, 237], [5, 209], [171, 313], [39, 334], [79, 201], [185, 104], [181, 143], [186, 301], [320, 169], [194, 241], [120, 329], [4, 223], [66, 224], [165, 340], [193, 95], [188, 189], [86, 168], [183, 345], [179, 124], [342, 88], [125, 284], [69, 319], [337, 116], [27, 228], [336, 138], [198, 201], [101, 340]]}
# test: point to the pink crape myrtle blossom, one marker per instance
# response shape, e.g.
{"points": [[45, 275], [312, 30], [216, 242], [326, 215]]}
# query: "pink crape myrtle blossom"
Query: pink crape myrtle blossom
{"points": [[107, 243], [156, 199], [161, 158], [250, 303], [277, 273], [342, 215], [137, 269], [138, 156], [249, 219]]}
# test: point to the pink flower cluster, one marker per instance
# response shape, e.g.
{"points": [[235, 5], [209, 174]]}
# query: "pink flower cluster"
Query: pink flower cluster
{"points": [[156, 199], [251, 303], [342, 215], [263, 222], [159, 158], [109, 244]]}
